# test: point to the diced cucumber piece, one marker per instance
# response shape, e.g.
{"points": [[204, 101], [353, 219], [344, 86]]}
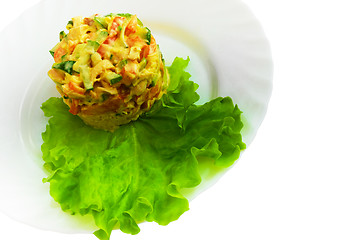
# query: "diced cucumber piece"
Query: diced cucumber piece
{"points": [[113, 77], [122, 63], [70, 24], [140, 23], [63, 57], [85, 54], [148, 36], [142, 63], [122, 38], [101, 36], [100, 21], [126, 15], [85, 77], [92, 45], [66, 66], [62, 34]]}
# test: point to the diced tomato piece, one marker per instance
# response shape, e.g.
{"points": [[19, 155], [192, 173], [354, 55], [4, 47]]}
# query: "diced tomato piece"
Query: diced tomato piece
{"points": [[114, 29], [59, 52], [109, 41], [144, 51], [148, 49], [131, 68], [72, 46], [153, 46], [88, 21], [132, 40], [74, 106], [131, 27], [75, 88], [101, 51]]}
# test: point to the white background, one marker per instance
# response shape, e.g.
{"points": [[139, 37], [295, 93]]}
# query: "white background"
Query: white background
{"points": [[300, 178]]}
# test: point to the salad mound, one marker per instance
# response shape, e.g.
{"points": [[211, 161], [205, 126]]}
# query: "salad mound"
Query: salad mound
{"points": [[108, 69], [138, 172]]}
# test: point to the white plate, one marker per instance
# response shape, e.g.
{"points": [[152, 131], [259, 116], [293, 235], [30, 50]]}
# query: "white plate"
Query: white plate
{"points": [[230, 56]]}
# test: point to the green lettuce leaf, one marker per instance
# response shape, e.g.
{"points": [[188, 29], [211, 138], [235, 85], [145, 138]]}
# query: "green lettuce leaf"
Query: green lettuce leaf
{"points": [[136, 174]]}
